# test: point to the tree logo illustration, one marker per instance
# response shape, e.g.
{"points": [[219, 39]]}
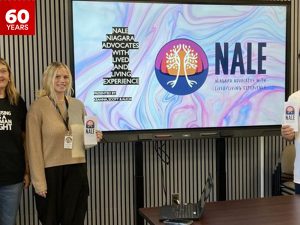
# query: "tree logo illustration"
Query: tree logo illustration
{"points": [[181, 66]]}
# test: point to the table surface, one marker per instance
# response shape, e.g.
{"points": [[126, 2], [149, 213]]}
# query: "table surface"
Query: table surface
{"points": [[278, 210]]}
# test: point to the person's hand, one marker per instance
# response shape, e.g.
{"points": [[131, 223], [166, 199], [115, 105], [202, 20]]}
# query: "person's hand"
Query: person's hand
{"points": [[42, 194], [26, 180], [99, 135], [287, 132]]}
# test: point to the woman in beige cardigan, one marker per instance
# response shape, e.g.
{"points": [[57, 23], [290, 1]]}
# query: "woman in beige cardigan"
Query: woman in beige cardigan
{"points": [[56, 150]]}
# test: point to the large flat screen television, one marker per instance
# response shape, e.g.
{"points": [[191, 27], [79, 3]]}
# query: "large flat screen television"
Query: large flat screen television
{"points": [[189, 68]]}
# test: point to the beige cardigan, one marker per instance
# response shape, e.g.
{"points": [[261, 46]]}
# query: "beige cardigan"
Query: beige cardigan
{"points": [[45, 132]]}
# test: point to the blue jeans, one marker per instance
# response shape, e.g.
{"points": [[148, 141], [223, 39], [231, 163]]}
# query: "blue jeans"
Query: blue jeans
{"points": [[10, 196]]}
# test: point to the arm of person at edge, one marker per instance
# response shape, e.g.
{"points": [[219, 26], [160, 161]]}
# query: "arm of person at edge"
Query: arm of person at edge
{"points": [[26, 179], [287, 132]]}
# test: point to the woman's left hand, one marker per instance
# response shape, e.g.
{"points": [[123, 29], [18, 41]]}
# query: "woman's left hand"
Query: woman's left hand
{"points": [[99, 135]]}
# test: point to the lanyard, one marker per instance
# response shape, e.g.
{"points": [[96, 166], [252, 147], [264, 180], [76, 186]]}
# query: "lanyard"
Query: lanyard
{"points": [[66, 121]]}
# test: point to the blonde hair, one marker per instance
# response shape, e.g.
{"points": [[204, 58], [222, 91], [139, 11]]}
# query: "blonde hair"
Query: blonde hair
{"points": [[10, 90], [48, 80]]}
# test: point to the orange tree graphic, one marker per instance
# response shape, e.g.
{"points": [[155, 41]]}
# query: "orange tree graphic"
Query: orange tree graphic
{"points": [[181, 61]]}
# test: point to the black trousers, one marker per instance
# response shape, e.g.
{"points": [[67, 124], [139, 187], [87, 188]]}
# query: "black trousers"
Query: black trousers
{"points": [[67, 194]]}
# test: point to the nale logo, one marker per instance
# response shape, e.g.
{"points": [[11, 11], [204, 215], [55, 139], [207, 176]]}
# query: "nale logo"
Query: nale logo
{"points": [[90, 124], [181, 66], [290, 112]]}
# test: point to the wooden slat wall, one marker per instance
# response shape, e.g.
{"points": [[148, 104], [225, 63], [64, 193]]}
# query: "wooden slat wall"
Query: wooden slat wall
{"points": [[240, 164], [110, 171], [177, 167], [110, 165]]}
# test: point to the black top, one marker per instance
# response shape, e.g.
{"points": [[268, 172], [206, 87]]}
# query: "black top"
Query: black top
{"points": [[12, 124]]}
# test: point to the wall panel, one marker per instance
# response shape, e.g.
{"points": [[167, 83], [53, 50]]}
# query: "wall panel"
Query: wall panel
{"points": [[168, 165], [110, 172]]}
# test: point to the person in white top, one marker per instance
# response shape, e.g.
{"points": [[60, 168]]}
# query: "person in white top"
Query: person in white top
{"points": [[289, 134]]}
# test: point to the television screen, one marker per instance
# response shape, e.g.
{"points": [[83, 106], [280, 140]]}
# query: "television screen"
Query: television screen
{"points": [[172, 66]]}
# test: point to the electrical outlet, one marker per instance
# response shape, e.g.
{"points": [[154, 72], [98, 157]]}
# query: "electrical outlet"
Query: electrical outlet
{"points": [[175, 199]]}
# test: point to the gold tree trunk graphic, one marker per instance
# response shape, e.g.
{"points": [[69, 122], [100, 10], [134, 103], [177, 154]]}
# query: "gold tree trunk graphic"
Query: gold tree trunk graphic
{"points": [[181, 61]]}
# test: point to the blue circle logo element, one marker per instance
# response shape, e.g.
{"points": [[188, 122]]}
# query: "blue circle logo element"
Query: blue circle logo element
{"points": [[181, 66]]}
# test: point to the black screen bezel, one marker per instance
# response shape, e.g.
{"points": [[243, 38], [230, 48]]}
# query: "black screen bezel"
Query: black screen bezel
{"points": [[191, 133]]}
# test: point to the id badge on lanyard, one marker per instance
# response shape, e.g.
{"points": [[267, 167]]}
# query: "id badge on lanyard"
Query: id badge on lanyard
{"points": [[68, 143], [68, 140]]}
